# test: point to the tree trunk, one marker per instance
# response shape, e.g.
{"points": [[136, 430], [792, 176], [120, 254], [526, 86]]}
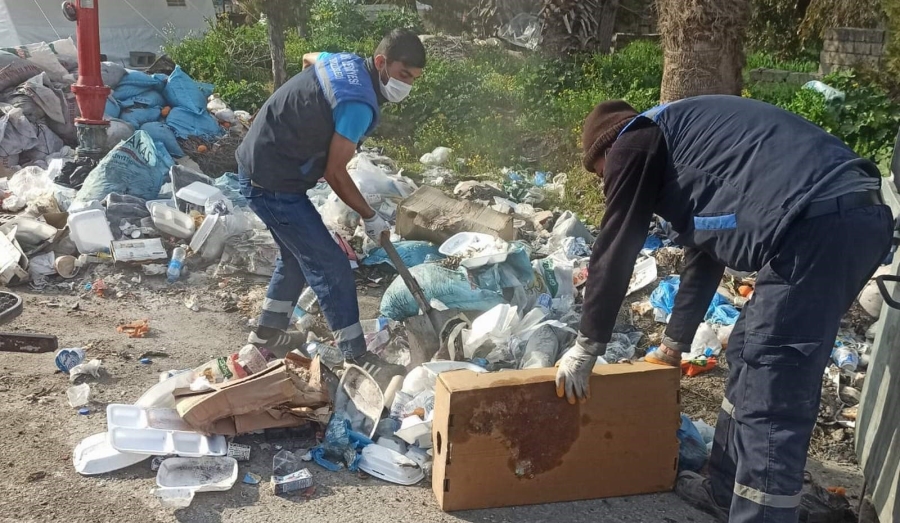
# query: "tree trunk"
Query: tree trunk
{"points": [[275, 24], [702, 47], [607, 25]]}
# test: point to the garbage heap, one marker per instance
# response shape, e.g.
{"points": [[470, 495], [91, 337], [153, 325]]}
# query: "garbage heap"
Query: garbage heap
{"points": [[513, 271]]}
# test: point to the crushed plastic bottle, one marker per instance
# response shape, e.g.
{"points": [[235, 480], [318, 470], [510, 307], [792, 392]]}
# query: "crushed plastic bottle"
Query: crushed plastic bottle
{"points": [[304, 312], [173, 273], [329, 354], [846, 358]]}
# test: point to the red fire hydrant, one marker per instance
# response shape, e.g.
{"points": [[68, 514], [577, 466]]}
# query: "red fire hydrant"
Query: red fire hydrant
{"points": [[89, 90]]}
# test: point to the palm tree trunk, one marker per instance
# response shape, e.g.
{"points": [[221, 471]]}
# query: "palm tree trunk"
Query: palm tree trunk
{"points": [[607, 25], [275, 23], [703, 46]]}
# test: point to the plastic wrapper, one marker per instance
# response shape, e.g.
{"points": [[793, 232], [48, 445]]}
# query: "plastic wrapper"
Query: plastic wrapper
{"points": [[253, 252]]}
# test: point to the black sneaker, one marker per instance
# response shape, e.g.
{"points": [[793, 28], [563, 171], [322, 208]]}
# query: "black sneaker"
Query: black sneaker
{"points": [[697, 492], [278, 342], [382, 371]]}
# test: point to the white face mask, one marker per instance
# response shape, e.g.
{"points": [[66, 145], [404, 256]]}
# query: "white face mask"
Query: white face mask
{"points": [[394, 90]]}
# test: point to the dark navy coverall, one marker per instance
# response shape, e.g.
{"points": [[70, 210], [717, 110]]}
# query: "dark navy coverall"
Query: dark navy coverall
{"points": [[747, 185]]}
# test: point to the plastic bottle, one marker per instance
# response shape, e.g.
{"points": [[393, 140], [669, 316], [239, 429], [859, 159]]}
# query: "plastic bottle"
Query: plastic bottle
{"points": [[303, 316], [846, 358], [252, 359], [329, 354], [175, 265]]}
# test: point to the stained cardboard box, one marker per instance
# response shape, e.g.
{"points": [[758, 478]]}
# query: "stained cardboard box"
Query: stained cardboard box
{"points": [[282, 395], [505, 439]]}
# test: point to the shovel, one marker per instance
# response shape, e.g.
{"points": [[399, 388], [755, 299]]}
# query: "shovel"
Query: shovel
{"points": [[424, 330]]}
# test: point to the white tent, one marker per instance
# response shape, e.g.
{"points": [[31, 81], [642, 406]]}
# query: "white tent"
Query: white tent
{"points": [[125, 25]]}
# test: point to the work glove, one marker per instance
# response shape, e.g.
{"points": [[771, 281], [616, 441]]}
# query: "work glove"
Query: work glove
{"points": [[575, 367], [375, 226]]}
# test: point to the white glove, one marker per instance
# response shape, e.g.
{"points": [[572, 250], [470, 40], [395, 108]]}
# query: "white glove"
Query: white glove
{"points": [[375, 226], [573, 376]]}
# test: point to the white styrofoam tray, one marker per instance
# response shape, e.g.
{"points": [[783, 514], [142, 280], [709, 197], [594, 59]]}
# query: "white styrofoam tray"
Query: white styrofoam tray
{"points": [[390, 465], [207, 474], [94, 455], [139, 430], [475, 249]]}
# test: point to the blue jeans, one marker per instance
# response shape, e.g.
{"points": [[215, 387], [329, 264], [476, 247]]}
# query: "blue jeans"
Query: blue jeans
{"points": [[309, 255]]}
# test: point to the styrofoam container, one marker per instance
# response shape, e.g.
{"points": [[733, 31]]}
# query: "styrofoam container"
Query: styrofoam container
{"points": [[90, 231], [94, 455], [171, 221], [199, 193], [168, 202], [206, 228], [476, 249], [390, 465], [140, 430], [645, 273], [208, 474]]}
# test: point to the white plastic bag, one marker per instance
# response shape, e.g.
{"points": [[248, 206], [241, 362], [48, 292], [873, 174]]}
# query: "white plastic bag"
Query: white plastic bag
{"points": [[31, 183], [439, 156], [705, 340]]}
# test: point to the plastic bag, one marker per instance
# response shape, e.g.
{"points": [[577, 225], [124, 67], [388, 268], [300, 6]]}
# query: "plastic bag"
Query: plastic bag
{"points": [[230, 186], [31, 183], [112, 109], [149, 98], [439, 156], [112, 73], [50, 100], [17, 134], [66, 130], [136, 167], [117, 131], [692, 453], [253, 252], [541, 349], [15, 70], [48, 143], [412, 253], [706, 343], [452, 288], [621, 346], [182, 91], [43, 57], [557, 276], [160, 132], [138, 116], [186, 123], [568, 225], [662, 298]]}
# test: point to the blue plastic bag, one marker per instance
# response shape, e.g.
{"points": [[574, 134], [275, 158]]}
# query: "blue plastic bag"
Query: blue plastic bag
{"points": [[340, 443], [720, 309], [112, 109], [138, 116], [136, 167], [149, 98], [186, 124], [692, 452], [452, 288], [230, 186], [135, 83], [412, 253], [182, 91], [160, 132]]}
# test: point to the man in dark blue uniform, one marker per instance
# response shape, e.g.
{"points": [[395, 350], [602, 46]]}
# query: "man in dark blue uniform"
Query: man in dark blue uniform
{"points": [[309, 129], [746, 185]]}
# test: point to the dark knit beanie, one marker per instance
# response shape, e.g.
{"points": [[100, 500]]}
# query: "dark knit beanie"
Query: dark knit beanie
{"points": [[601, 128]]}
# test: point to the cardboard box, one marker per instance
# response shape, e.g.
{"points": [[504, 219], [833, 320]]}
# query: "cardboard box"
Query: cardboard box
{"points": [[147, 249], [505, 439], [280, 396]]}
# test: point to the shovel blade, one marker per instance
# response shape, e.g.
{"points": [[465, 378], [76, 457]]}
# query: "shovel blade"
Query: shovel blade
{"points": [[423, 340]]}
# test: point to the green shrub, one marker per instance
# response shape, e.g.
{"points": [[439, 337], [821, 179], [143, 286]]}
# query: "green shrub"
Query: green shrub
{"points": [[244, 95], [403, 18], [804, 64], [226, 52]]}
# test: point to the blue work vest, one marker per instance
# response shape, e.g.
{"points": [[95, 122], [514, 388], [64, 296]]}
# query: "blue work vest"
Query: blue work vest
{"points": [[286, 148], [740, 171]]}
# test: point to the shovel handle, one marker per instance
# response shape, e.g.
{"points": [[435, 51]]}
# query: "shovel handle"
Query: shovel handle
{"points": [[408, 278]]}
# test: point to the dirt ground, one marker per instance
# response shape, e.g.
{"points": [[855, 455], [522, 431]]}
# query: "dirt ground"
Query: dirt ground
{"points": [[39, 429]]}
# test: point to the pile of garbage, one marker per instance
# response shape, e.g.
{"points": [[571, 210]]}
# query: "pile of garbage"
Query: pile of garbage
{"points": [[509, 272]]}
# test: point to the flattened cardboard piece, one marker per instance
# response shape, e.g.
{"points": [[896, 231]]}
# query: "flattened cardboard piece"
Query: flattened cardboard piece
{"points": [[142, 250], [505, 439], [278, 386]]}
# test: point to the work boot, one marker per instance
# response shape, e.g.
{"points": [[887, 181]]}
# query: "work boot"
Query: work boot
{"points": [[382, 371], [277, 341], [697, 492]]}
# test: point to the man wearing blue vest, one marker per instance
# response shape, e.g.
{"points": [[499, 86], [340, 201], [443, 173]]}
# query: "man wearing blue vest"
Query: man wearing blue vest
{"points": [[746, 185], [309, 129]]}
